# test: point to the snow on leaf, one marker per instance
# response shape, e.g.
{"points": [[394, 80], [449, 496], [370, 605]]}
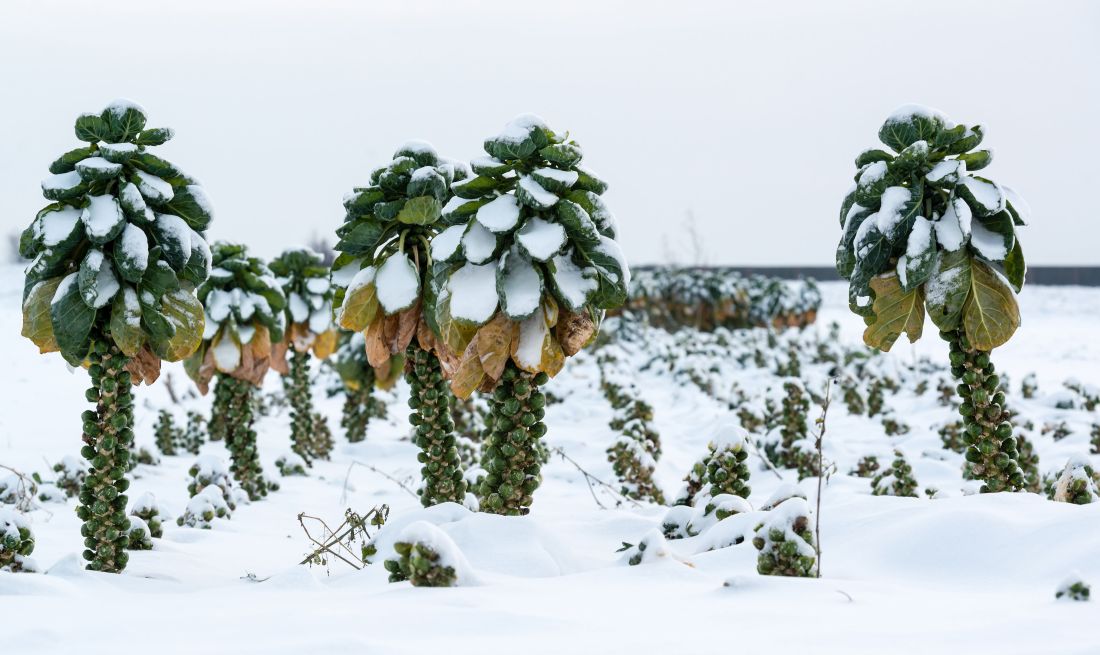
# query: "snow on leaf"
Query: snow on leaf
{"points": [[299, 310], [226, 351], [500, 214], [984, 196], [573, 283], [103, 218], [473, 290], [398, 283], [445, 244], [541, 239], [57, 226], [519, 285], [532, 194], [154, 188], [478, 243]]}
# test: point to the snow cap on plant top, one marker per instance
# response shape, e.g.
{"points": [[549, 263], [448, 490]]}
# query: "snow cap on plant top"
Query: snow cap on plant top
{"points": [[119, 249], [244, 307], [304, 279], [922, 232], [529, 261], [384, 244]]}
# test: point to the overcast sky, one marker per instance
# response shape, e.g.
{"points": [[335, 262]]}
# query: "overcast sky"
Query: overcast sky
{"points": [[744, 116]]}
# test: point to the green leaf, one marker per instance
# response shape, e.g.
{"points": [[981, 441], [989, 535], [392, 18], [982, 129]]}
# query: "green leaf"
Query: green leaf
{"points": [[845, 253], [150, 163], [72, 320], [919, 260], [455, 212], [156, 325], [184, 312], [490, 167], [909, 125], [67, 162], [475, 187], [948, 288], [991, 314], [993, 237], [362, 239], [124, 120], [895, 311], [519, 285], [97, 169], [97, 280], [1016, 267], [872, 252], [388, 211], [872, 155], [611, 272], [846, 205], [970, 140], [125, 322], [154, 136], [976, 161], [428, 183], [505, 148], [37, 323], [66, 186], [597, 210], [159, 277], [361, 202], [91, 128], [586, 181], [578, 225], [421, 210], [191, 203], [174, 239], [566, 155], [131, 253], [198, 265]]}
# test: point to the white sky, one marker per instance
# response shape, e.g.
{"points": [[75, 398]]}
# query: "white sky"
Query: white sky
{"points": [[744, 114]]}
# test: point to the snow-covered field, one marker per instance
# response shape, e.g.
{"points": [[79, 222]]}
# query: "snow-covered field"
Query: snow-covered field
{"points": [[973, 574]]}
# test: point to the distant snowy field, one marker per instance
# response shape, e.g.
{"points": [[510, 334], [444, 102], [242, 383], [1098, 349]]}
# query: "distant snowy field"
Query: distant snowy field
{"points": [[973, 574]]}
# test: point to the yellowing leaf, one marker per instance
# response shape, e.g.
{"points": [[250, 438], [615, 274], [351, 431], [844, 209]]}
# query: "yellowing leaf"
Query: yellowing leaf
{"points": [[574, 331], [469, 373], [895, 311], [359, 308], [184, 311], [456, 335], [325, 344], [991, 314], [553, 358], [126, 322], [36, 316]]}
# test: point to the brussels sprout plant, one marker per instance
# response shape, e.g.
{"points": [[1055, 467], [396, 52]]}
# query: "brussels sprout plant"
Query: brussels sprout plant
{"points": [[116, 256], [923, 234], [386, 262], [244, 316], [305, 283], [520, 281]]}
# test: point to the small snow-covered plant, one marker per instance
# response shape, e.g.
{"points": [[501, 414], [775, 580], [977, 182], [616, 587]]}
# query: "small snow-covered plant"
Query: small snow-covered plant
{"points": [[192, 438], [210, 471], [1057, 430], [204, 507], [321, 443], [1029, 462], [426, 557], [789, 450], [1073, 588], [922, 234], [1029, 386], [116, 256], [951, 434], [468, 419], [16, 543], [785, 540], [358, 381], [892, 426], [305, 282], [244, 307], [634, 453], [70, 475], [693, 482], [1077, 484], [139, 536], [727, 469], [166, 434], [875, 397], [290, 464], [897, 480], [387, 260], [866, 467], [650, 548], [1094, 439], [853, 399], [521, 280], [146, 509]]}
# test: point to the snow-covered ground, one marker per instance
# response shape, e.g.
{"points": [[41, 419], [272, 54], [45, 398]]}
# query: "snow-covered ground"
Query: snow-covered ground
{"points": [[973, 574]]}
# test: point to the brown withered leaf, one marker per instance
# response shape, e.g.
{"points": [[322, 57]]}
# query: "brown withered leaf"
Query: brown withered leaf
{"points": [[378, 353], [574, 331], [469, 373], [406, 327], [278, 358], [494, 345], [144, 367]]}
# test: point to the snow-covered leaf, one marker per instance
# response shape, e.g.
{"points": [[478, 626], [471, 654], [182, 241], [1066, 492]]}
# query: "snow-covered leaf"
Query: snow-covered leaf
{"points": [[103, 219], [126, 322], [948, 288], [531, 193], [519, 285], [398, 283], [174, 237], [473, 292], [478, 243], [72, 320], [915, 266], [445, 244], [983, 196], [500, 214], [573, 285], [97, 169], [993, 237], [541, 239], [97, 279]]}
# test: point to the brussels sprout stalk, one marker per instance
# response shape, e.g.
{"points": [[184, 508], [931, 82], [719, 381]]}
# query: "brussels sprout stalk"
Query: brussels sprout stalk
{"points": [[430, 400], [512, 455], [240, 436]]}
